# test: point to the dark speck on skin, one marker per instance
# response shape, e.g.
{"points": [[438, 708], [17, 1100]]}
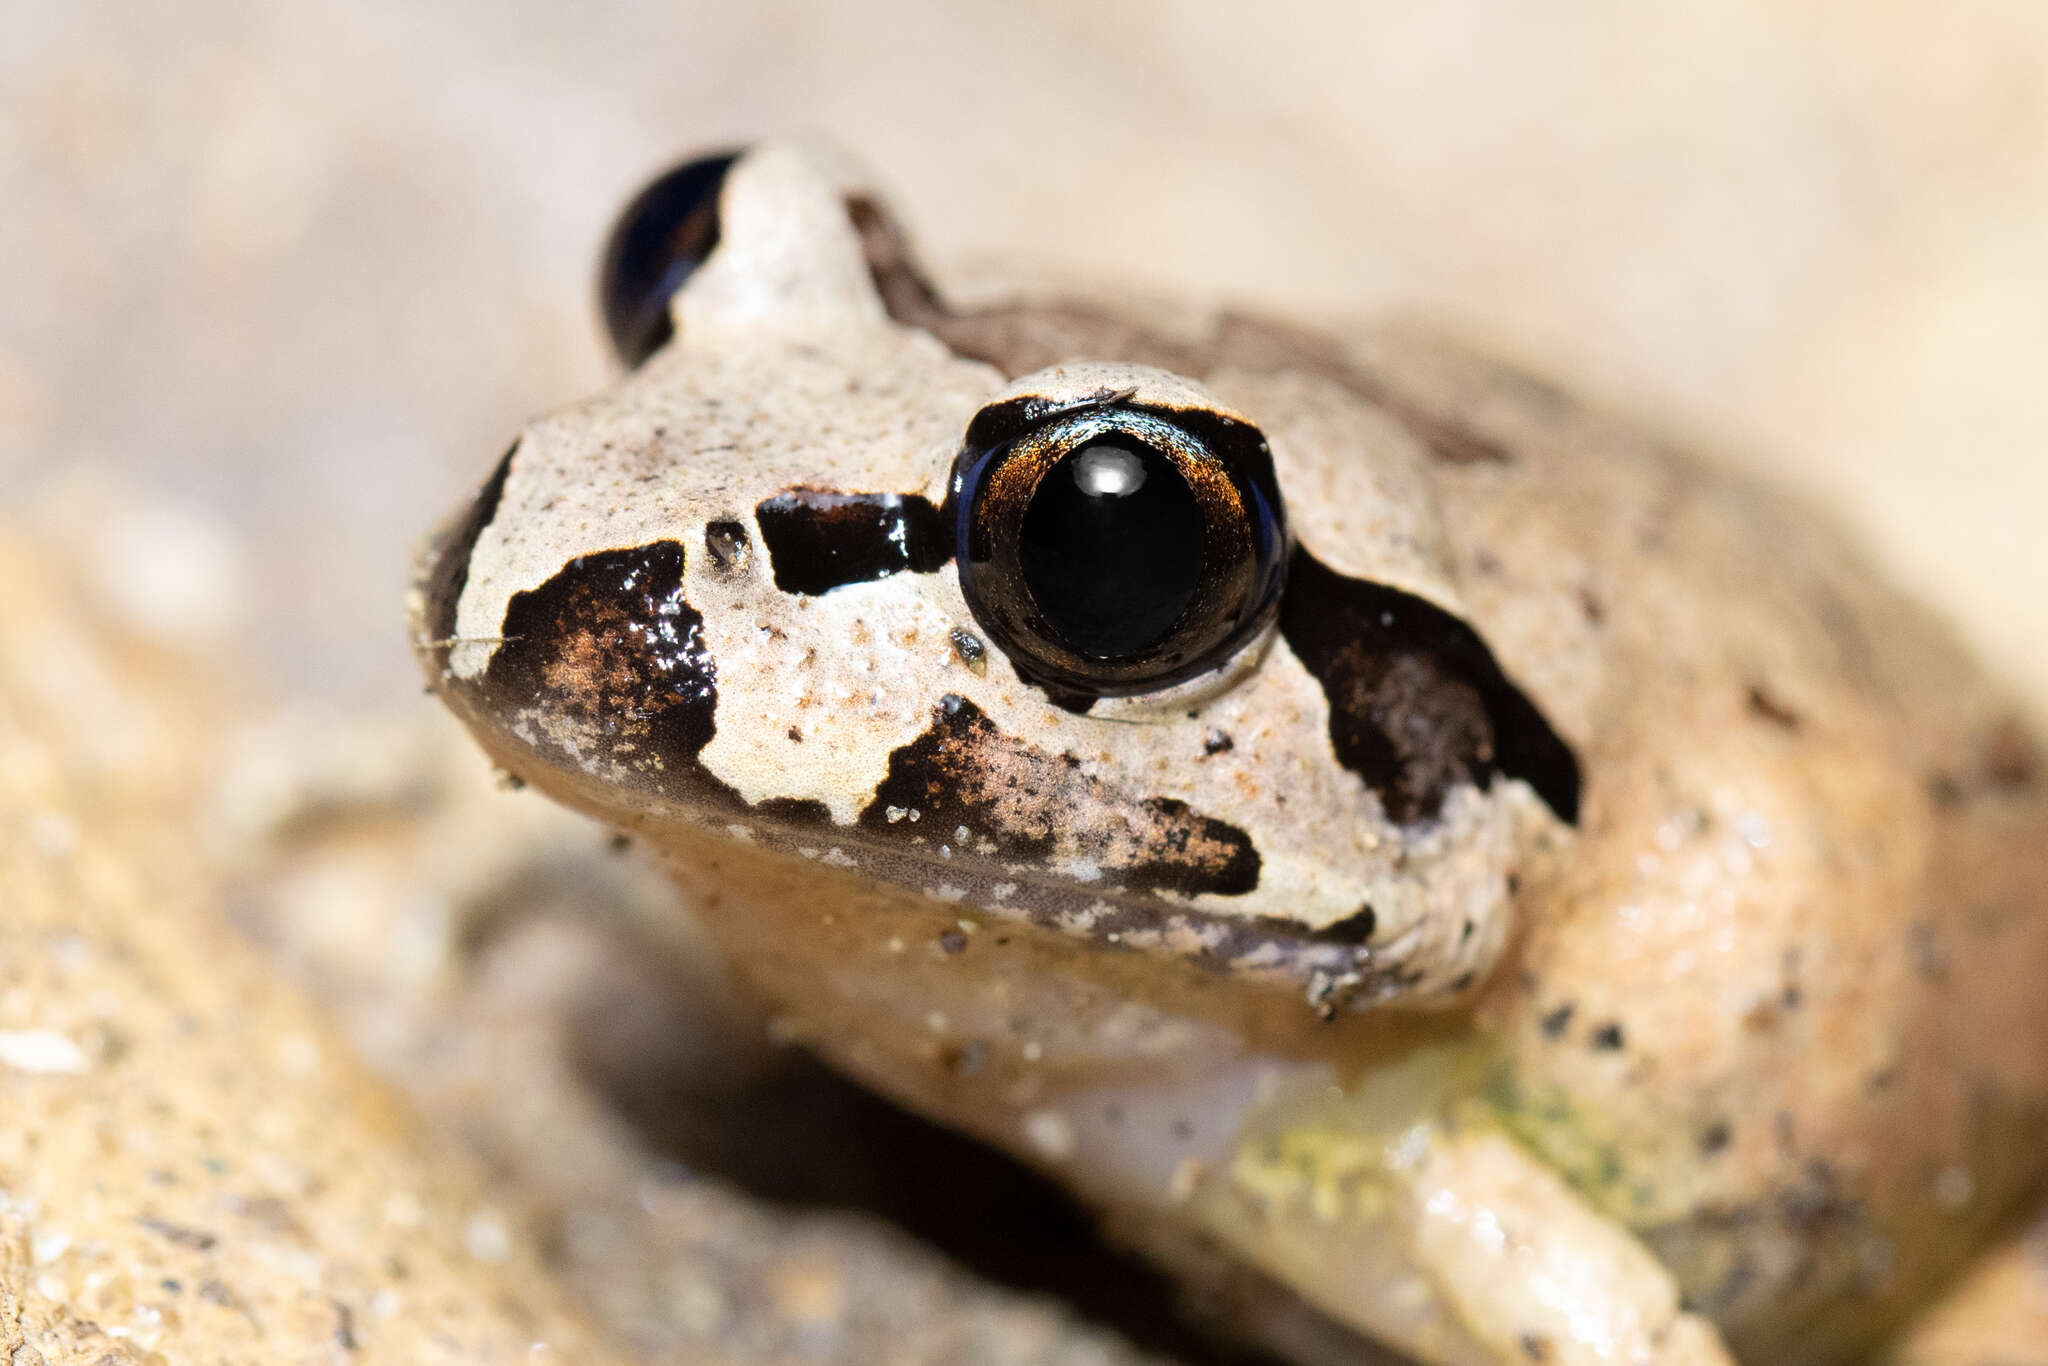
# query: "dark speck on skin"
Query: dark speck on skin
{"points": [[1555, 1022], [968, 648], [953, 941], [1608, 1037], [729, 548], [1929, 961], [1766, 707], [1714, 1138]]}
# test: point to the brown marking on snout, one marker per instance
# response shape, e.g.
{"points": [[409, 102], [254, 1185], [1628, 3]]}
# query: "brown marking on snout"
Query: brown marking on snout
{"points": [[608, 656], [1038, 806]]}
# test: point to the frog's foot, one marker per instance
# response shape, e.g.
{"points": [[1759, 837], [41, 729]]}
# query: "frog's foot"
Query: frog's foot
{"points": [[1997, 1311], [1453, 1243]]}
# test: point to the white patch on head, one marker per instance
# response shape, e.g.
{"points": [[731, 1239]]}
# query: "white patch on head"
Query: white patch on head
{"points": [[854, 671], [1355, 482], [700, 435]]}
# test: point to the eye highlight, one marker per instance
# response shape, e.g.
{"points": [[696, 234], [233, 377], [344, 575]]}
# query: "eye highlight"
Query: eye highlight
{"points": [[1110, 547]]}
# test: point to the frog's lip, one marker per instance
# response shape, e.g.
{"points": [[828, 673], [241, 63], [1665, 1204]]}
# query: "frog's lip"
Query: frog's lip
{"points": [[1333, 969]]}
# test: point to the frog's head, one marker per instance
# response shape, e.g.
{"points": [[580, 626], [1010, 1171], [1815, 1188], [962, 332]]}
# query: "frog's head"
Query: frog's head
{"points": [[1173, 665]]}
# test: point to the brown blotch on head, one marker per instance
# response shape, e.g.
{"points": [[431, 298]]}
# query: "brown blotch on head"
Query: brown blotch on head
{"points": [[608, 655], [1765, 706], [906, 293], [1417, 703], [1033, 805]]}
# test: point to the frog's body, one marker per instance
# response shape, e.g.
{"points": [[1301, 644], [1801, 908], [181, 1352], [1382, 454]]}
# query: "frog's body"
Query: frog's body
{"points": [[1688, 949]]}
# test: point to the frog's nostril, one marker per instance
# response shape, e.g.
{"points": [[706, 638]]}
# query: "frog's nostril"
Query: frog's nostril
{"points": [[659, 240]]}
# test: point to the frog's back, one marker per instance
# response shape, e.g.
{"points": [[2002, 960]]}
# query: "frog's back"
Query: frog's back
{"points": [[1779, 1008]]}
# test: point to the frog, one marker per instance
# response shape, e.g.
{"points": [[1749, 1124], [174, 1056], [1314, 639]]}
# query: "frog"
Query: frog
{"points": [[1421, 855]]}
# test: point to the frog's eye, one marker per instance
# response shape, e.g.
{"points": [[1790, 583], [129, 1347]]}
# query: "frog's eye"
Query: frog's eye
{"points": [[658, 241], [1110, 548]]}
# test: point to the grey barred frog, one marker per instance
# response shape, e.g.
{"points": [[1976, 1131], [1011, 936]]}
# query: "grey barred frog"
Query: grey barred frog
{"points": [[1388, 835]]}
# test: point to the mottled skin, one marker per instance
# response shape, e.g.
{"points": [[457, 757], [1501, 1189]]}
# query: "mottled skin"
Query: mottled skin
{"points": [[1715, 1038]]}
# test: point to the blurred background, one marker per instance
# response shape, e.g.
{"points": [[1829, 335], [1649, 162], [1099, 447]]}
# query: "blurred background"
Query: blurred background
{"points": [[280, 281]]}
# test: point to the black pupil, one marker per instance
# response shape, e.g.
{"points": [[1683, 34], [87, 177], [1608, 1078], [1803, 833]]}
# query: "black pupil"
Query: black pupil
{"points": [[1111, 548]]}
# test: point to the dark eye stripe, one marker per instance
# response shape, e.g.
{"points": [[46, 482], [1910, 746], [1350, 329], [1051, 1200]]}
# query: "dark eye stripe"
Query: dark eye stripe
{"points": [[1417, 702], [819, 539]]}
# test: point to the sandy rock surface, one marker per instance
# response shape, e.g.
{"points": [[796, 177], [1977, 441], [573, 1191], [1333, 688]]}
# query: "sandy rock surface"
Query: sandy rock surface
{"points": [[193, 1166]]}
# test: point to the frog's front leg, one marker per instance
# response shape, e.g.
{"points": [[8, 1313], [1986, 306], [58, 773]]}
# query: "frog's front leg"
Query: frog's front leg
{"points": [[1469, 1251], [1347, 1164]]}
